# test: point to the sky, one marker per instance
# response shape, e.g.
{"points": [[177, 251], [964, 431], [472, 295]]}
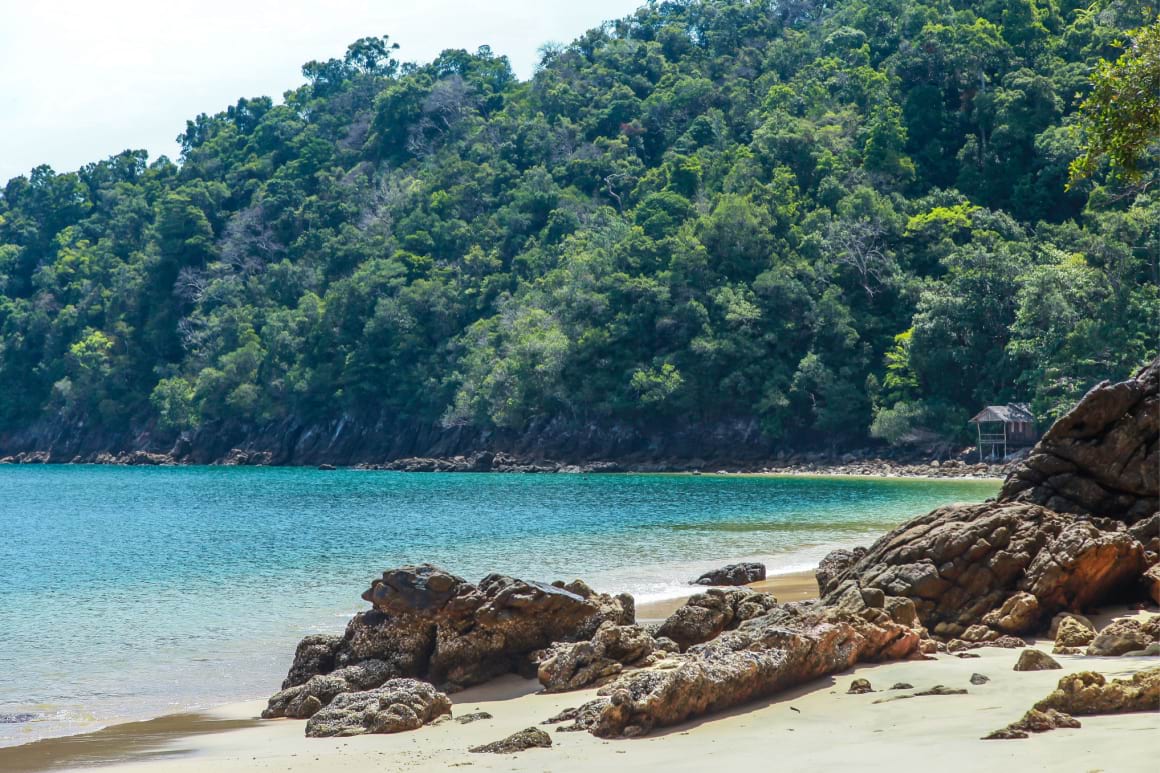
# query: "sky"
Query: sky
{"points": [[83, 80]]}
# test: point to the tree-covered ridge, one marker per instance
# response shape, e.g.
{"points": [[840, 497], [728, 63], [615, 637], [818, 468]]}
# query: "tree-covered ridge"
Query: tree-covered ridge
{"points": [[847, 217]]}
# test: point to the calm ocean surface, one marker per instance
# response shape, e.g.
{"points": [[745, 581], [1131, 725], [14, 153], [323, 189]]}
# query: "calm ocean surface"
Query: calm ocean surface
{"points": [[127, 593]]}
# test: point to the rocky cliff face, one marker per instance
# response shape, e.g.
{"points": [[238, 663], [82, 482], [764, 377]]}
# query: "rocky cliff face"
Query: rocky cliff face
{"points": [[1074, 526]]}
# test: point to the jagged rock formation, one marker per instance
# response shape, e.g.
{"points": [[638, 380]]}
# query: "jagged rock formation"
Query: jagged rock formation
{"points": [[705, 615], [395, 707], [1101, 458], [1073, 526], [572, 666], [792, 644], [432, 625], [733, 574]]}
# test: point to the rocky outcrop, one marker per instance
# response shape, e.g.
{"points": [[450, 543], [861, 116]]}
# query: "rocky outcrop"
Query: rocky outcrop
{"points": [[572, 666], [705, 615], [786, 647], [1072, 528], [1090, 693], [528, 738], [395, 707], [429, 624], [733, 574], [1102, 457]]}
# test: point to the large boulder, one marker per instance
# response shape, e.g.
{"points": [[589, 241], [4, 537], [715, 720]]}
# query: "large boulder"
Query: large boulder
{"points": [[429, 624], [395, 707], [1072, 528], [1102, 457], [789, 646], [733, 574]]}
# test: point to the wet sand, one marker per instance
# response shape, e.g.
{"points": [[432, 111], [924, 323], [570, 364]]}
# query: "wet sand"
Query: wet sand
{"points": [[153, 739], [797, 586]]}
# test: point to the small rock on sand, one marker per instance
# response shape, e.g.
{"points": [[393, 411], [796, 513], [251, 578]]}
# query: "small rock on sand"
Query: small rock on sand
{"points": [[528, 738], [1035, 660], [860, 687]]}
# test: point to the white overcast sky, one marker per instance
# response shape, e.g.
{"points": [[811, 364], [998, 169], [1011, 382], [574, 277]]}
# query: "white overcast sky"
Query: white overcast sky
{"points": [[83, 80]]}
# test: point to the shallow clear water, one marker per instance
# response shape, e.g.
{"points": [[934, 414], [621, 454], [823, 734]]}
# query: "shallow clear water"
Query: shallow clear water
{"points": [[127, 593]]}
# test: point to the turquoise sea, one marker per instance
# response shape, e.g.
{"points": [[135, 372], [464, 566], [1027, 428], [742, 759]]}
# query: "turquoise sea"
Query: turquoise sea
{"points": [[127, 593]]}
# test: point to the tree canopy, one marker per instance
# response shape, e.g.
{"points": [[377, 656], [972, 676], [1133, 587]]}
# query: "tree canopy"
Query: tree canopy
{"points": [[850, 218]]}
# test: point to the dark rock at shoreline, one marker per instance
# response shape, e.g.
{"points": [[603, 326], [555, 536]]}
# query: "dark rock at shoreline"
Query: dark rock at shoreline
{"points": [[733, 574], [395, 707], [429, 624], [305, 700], [314, 655]]}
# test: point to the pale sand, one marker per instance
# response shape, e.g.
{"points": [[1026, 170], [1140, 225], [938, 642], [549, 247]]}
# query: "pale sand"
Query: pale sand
{"points": [[829, 730], [797, 586]]}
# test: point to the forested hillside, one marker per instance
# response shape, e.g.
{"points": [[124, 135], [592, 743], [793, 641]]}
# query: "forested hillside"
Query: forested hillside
{"points": [[835, 219]]}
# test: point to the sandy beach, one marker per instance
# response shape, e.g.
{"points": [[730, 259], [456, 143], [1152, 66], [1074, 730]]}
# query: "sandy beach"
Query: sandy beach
{"points": [[815, 727]]}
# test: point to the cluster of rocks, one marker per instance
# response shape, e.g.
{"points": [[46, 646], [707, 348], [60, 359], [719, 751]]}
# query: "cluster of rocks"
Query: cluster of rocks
{"points": [[428, 624], [1085, 693], [951, 468], [1062, 537], [1133, 637]]}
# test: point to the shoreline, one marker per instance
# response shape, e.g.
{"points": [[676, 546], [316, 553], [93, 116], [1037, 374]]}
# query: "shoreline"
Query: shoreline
{"points": [[798, 726], [985, 472]]}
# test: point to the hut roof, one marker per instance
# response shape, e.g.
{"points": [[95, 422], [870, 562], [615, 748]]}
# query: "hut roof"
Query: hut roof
{"points": [[1005, 413]]}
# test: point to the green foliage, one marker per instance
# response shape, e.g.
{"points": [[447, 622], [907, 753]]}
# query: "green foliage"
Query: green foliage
{"points": [[1121, 116], [837, 220]]}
